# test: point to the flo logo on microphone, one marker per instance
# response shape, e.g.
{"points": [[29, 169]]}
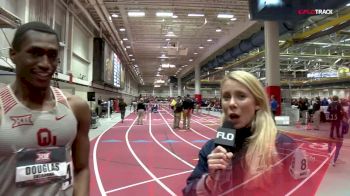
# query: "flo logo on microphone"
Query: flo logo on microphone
{"points": [[315, 11], [225, 136]]}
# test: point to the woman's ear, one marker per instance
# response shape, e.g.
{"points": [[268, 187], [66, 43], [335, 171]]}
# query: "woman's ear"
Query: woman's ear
{"points": [[257, 108]]}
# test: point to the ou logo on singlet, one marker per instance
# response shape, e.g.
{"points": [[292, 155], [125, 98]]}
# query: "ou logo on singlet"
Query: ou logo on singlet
{"points": [[45, 138]]}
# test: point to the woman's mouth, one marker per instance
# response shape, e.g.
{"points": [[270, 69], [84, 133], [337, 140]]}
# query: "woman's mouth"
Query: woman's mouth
{"points": [[233, 116]]}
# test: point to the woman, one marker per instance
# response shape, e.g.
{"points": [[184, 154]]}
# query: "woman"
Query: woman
{"points": [[246, 106], [122, 108]]}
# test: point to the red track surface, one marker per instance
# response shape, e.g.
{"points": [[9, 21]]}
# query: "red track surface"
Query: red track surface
{"points": [[153, 159]]}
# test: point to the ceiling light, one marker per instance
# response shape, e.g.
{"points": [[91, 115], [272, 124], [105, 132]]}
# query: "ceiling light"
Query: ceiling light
{"points": [[122, 29], [132, 59], [348, 4], [131, 55], [190, 60], [195, 15], [170, 34], [200, 47], [109, 18], [218, 30], [233, 19], [195, 53], [164, 14], [174, 16], [296, 58], [128, 46], [125, 39], [225, 16], [167, 39], [115, 15], [209, 40], [136, 14]]}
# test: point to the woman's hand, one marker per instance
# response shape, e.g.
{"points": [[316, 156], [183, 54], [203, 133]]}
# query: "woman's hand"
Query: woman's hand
{"points": [[218, 159]]}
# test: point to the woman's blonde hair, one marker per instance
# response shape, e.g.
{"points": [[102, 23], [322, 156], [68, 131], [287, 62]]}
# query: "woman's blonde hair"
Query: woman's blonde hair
{"points": [[261, 145]]}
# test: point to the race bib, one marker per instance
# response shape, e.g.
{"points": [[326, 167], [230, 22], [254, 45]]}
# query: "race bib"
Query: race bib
{"points": [[41, 166]]}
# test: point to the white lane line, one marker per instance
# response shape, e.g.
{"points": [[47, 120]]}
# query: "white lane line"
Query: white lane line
{"points": [[252, 178], [147, 181], [142, 164], [313, 173], [174, 155], [181, 138], [194, 130]]}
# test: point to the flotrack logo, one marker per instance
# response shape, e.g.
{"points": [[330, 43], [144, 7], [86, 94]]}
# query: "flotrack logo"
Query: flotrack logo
{"points": [[315, 12]]}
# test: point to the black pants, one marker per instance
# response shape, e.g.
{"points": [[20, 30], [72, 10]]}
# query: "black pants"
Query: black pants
{"points": [[335, 124], [122, 113]]}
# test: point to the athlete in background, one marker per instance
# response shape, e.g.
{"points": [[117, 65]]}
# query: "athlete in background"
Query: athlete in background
{"points": [[44, 144]]}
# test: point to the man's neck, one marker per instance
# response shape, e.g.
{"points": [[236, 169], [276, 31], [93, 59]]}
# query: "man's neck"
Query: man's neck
{"points": [[27, 93]]}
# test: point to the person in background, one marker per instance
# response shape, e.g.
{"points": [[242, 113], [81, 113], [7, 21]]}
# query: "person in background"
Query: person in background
{"points": [[273, 106], [122, 108], [141, 108], [187, 108], [177, 112], [42, 121], [245, 105], [316, 107], [335, 109]]}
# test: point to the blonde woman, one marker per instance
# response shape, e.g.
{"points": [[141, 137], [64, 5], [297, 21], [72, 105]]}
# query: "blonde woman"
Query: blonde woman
{"points": [[246, 106]]}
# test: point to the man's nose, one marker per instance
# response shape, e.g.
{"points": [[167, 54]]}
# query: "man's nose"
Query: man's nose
{"points": [[44, 62]]}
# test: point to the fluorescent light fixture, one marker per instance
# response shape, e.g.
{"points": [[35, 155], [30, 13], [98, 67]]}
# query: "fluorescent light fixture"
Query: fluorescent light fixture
{"points": [[136, 14], [115, 15], [195, 15], [167, 39], [200, 47], [164, 14], [195, 53], [218, 67], [131, 55], [170, 34], [125, 39], [156, 85], [190, 60], [225, 15], [209, 40], [136, 65], [174, 16], [132, 59], [122, 29], [109, 18], [218, 30], [233, 19], [167, 65], [296, 58], [348, 4], [128, 46]]}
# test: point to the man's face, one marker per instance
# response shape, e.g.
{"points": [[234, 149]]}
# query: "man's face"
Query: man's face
{"points": [[36, 59]]}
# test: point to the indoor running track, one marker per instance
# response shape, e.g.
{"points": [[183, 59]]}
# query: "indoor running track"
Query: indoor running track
{"points": [[155, 159]]}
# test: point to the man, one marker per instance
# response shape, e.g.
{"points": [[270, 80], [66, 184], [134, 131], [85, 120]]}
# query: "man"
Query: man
{"points": [[177, 112], [274, 106], [44, 144], [334, 110], [187, 106], [122, 107]]}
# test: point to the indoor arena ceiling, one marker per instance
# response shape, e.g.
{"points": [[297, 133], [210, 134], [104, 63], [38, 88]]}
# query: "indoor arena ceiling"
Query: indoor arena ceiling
{"points": [[189, 32]]}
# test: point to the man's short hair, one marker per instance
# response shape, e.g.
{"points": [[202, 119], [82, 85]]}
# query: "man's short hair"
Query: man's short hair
{"points": [[35, 26]]}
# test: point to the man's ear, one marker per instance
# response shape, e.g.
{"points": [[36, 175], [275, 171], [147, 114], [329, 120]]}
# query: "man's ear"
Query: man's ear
{"points": [[12, 54]]}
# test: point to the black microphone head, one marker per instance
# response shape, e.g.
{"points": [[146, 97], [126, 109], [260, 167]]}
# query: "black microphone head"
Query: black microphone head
{"points": [[225, 136]]}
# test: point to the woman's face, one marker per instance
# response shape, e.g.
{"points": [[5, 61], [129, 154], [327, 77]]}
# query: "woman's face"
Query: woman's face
{"points": [[238, 104]]}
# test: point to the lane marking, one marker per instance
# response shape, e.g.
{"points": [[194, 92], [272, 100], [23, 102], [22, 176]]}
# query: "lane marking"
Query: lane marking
{"points": [[142, 164], [174, 155], [147, 181], [172, 130]]}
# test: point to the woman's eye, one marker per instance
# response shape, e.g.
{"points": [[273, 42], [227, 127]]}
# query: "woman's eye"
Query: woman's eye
{"points": [[241, 96]]}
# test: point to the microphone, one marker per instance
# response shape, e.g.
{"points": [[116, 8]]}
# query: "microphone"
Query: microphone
{"points": [[225, 136]]}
